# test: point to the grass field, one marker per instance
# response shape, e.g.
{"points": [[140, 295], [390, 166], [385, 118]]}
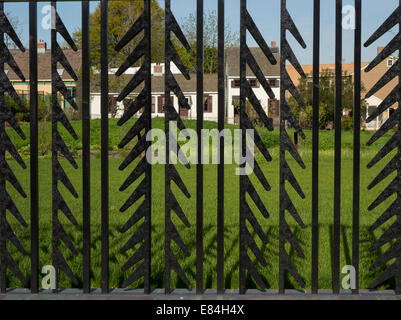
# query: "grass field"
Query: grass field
{"points": [[270, 226]]}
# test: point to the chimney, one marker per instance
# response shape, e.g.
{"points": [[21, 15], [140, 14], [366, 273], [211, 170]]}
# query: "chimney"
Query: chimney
{"points": [[42, 46], [273, 47], [158, 70], [379, 49]]}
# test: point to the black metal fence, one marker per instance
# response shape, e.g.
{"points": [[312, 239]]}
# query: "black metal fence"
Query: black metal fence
{"points": [[143, 191]]}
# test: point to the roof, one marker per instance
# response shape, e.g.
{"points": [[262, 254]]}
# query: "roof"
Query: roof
{"points": [[347, 68], [233, 62], [44, 64], [117, 84], [368, 79]]}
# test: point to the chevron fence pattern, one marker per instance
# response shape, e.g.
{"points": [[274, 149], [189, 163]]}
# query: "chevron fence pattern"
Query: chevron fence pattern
{"points": [[246, 186], [286, 145], [60, 148], [142, 235], [255, 194], [171, 173], [7, 204], [393, 233]]}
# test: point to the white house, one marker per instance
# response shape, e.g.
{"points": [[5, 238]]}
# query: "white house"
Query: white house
{"points": [[188, 87], [271, 72]]}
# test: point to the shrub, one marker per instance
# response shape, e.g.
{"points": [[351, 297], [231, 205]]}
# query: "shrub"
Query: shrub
{"points": [[270, 138], [44, 108], [348, 123], [19, 114]]}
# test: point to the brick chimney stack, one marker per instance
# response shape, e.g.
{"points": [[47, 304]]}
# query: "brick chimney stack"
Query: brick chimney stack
{"points": [[42, 46], [273, 47]]}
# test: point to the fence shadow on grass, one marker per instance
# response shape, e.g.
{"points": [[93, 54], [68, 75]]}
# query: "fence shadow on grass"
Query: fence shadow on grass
{"points": [[231, 257]]}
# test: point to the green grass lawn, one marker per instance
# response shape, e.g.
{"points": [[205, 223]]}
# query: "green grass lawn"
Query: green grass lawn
{"points": [[270, 226]]}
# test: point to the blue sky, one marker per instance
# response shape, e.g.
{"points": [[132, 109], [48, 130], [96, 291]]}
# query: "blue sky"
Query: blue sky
{"points": [[266, 14]]}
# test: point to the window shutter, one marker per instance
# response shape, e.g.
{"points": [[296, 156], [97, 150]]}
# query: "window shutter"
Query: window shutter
{"points": [[153, 104], [160, 104], [277, 108]]}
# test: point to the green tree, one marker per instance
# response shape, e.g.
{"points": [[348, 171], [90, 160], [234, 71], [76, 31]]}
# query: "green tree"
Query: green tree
{"points": [[210, 41], [326, 98], [122, 15]]}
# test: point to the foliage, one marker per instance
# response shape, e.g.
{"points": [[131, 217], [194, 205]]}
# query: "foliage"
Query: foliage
{"points": [[122, 15], [16, 110], [210, 41], [327, 99], [44, 108], [348, 123]]}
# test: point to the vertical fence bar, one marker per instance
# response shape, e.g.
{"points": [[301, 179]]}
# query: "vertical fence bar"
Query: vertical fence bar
{"points": [[33, 102], [282, 272], [148, 110], [398, 221], [54, 151], [3, 268], [220, 169], [199, 166], [167, 187], [104, 145], [337, 155], [86, 146], [315, 148], [357, 141], [242, 188], [398, 238]]}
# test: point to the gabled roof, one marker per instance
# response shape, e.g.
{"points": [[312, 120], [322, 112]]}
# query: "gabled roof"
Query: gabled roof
{"points": [[44, 64], [233, 62]]}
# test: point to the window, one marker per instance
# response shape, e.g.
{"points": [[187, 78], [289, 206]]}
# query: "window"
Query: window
{"points": [[207, 104], [160, 103], [274, 83], [389, 63], [188, 100], [253, 83], [236, 83], [153, 104], [73, 93]]}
